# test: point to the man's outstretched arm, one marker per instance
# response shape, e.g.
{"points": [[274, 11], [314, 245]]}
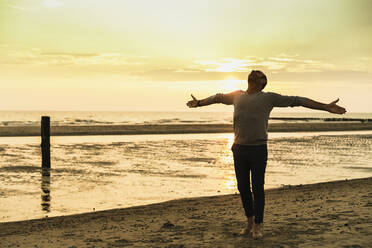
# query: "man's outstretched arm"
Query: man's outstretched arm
{"points": [[218, 98], [203, 102], [292, 101], [330, 107]]}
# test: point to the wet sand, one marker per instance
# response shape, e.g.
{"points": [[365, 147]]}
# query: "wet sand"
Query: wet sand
{"points": [[179, 128], [333, 214]]}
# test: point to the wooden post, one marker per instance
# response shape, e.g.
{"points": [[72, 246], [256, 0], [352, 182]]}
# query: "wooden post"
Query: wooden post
{"points": [[45, 141]]}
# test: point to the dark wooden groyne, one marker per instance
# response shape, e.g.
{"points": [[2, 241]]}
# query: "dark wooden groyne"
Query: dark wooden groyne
{"points": [[362, 120], [9, 131]]}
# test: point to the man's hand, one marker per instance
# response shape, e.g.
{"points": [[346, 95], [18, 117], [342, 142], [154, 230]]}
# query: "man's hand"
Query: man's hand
{"points": [[334, 108], [193, 103]]}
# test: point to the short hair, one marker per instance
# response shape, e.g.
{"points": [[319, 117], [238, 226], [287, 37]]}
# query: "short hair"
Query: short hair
{"points": [[257, 77]]}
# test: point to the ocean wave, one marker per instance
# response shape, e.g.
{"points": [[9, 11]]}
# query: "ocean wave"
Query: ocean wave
{"points": [[93, 122]]}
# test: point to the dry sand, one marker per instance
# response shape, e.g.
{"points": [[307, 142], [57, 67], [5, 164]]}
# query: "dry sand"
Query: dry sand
{"points": [[334, 214], [180, 128]]}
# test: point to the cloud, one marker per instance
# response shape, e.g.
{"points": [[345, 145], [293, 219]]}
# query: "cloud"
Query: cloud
{"points": [[36, 58], [52, 3], [16, 7], [32, 6], [277, 63], [225, 65], [280, 67], [70, 54]]}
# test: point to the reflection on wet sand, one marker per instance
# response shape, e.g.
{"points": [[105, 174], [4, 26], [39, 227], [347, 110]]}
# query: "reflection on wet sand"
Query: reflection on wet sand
{"points": [[45, 190], [122, 171], [229, 182]]}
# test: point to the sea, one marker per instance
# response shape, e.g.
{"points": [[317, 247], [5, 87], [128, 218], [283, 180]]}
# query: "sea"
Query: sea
{"points": [[32, 118], [94, 173]]}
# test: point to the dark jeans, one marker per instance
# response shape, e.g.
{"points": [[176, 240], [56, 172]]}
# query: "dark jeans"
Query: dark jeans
{"points": [[251, 161]]}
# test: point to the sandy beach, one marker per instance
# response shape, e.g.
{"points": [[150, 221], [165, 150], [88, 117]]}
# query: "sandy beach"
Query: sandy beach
{"points": [[11, 131], [333, 214]]}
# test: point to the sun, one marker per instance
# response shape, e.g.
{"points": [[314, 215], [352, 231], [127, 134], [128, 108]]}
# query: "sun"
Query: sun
{"points": [[232, 84]]}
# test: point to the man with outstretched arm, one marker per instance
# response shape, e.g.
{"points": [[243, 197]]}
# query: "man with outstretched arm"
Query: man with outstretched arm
{"points": [[251, 114]]}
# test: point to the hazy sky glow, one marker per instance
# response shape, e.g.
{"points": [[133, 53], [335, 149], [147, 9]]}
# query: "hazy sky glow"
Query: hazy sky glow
{"points": [[150, 55]]}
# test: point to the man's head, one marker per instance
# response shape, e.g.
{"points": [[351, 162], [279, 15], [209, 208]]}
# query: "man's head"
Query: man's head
{"points": [[257, 79]]}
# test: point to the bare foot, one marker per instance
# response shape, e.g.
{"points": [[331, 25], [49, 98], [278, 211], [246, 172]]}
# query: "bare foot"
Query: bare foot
{"points": [[257, 232], [248, 227]]}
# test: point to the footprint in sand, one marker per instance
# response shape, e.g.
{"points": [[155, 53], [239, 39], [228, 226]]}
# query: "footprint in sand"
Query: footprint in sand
{"points": [[92, 240], [121, 243]]}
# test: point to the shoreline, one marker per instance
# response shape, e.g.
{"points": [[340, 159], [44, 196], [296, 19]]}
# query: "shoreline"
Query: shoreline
{"points": [[16, 131], [330, 214]]}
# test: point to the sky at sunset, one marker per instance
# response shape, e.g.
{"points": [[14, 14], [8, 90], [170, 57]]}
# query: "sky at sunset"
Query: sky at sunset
{"points": [[151, 55]]}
